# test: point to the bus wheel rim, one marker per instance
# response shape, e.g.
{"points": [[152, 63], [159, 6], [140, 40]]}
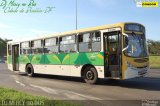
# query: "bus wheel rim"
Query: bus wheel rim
{"points": [[89, 75]]}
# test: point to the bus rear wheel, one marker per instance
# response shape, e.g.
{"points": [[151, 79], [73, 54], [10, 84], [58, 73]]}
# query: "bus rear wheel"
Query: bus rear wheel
{"points": [[90, 75], [30, 70]]}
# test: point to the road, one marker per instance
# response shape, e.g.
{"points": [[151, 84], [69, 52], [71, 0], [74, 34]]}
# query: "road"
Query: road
{"points": [[70, 88]]}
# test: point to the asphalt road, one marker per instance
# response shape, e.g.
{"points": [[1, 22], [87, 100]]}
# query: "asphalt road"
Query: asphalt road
{"points": [[70, 88]]}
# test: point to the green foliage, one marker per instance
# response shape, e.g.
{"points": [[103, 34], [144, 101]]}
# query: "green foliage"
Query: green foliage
{"points": [[153, 47], [3, 47], [15, 95], [154, 61], [11, 96]]}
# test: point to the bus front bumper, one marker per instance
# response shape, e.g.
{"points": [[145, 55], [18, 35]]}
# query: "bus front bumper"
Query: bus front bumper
{"points": [[133, 72]]}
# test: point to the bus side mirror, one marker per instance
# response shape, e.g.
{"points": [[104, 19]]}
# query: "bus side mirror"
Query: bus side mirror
{"points": [[126, 40]]}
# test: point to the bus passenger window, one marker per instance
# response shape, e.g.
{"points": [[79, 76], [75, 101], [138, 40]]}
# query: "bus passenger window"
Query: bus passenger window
{"points": [[89, 42], [96, 41], [37, 47], [25, 48], [51, 45], [68, 44], [84, 42]]}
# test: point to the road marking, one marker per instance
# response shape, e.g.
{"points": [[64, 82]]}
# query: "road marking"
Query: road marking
{"points": [[20, 83], [67, 93], [87, 96], [45, 89]]}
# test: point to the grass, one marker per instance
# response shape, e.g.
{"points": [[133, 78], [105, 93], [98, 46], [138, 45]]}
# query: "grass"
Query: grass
{"points": [[12, 97], [154, 61]]}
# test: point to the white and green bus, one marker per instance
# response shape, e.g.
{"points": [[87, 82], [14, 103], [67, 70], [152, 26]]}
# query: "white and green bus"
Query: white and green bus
{"points": [[117, 51]]}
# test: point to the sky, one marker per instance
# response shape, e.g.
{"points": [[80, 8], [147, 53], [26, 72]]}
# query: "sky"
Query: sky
{"points": [[18, 26]]}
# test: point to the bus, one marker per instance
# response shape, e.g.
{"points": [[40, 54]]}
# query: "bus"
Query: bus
{"points": [[116, 51]]}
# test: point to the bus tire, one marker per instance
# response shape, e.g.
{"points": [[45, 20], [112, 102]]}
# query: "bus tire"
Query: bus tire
{"points": [[30, 70], [90, 75]]}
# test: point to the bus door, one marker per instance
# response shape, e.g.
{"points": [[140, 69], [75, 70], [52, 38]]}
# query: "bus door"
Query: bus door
{"points": [[15, 55], [112, 51]]}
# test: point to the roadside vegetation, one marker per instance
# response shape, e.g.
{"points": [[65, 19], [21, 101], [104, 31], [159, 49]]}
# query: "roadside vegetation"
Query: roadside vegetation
{"points": [[12, 97], [154, 51], [3, 47], [154, 61], [153, 47]]}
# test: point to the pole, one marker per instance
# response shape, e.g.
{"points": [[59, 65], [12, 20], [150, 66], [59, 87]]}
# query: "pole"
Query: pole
{"points": [[76, 16]]}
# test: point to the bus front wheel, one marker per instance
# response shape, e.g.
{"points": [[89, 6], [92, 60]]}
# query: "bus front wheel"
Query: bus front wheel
{"points": [[90, 75], [30, 70]]}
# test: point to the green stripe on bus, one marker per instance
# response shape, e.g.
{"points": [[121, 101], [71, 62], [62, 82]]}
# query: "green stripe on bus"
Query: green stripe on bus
{"points": [[96, 58]]}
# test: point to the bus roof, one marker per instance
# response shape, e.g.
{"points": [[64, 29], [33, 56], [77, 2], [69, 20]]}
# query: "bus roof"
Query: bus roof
{"points": [[88, 29], [76, 31]]}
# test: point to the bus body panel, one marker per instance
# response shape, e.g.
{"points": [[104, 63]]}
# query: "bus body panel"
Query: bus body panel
{"points": [[64, 70], [134, 67], [63, 64], [71, 64]]}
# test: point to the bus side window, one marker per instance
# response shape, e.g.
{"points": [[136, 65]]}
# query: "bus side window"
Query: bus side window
{"points": [[68, 44], [51, 45], [84, 42], [37, 47], [25, 48], [96, 41]]}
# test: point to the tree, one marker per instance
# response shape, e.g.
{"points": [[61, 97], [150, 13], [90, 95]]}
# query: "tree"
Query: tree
{"points": [[3, 47], [153, 47]]}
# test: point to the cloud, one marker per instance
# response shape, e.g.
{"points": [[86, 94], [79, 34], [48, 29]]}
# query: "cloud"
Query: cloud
{"points": [[104, 3], [5, 26], [27, 34], [7, 35], [6, 31], [41, 33]]}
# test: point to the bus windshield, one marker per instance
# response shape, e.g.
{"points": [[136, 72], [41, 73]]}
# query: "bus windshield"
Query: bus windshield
{"points": [[136, 46]]}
